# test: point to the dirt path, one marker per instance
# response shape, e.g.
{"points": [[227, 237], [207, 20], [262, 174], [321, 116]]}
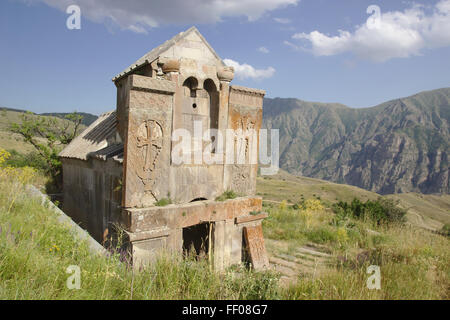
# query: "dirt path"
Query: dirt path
{"points": [[309, 260]]}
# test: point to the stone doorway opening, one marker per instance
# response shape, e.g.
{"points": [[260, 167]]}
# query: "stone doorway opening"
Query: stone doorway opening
{"points": [[196, 240]]}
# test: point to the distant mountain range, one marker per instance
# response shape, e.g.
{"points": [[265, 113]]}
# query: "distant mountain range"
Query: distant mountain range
{"points": [[399, 146]]}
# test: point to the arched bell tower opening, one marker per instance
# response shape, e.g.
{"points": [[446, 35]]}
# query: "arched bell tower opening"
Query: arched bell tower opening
{"points": [[213, 97], [191, 86]]}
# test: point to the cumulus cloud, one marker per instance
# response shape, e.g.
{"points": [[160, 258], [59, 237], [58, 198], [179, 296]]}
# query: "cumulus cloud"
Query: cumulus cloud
{"points": [[263, 50], [140, 15], [246, 71], [397, 34]]}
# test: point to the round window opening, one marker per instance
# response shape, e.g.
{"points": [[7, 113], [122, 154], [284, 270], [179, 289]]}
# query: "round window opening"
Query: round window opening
{"points": [[194, 105]]}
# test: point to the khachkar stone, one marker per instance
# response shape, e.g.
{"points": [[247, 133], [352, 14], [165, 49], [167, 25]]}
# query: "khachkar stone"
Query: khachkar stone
{"points": [[147, 142], [149, 139], [184, 85]]}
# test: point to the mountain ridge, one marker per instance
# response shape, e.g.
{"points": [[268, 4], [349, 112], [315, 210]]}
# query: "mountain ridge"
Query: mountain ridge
{"points": [[397, 146]]}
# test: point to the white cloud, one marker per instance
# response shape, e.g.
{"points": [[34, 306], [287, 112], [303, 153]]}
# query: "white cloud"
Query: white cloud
{"points": [[246, 71], [263, 50], [292, 45], [282, 20], [398, 35], [140, 15]]}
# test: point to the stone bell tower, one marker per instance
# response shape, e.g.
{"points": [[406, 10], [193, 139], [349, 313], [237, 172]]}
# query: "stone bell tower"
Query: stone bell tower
{"points": [[164, 100]]}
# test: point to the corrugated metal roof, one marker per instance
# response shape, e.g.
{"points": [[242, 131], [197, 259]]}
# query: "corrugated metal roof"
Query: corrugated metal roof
{"points": [[108, 152], [156, 52], [93, 139]]}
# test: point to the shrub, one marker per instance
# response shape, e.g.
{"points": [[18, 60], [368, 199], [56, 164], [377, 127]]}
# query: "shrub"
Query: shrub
{"points": [[380, 211], [446, 229], [314, 205], [32, 159]]}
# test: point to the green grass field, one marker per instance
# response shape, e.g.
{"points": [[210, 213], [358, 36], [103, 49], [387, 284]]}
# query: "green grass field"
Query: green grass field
{"points": [[314, 254]]}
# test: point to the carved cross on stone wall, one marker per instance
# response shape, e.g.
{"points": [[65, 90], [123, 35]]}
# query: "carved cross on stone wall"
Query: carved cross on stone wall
{"points": [[243, 138], [149, 137]]}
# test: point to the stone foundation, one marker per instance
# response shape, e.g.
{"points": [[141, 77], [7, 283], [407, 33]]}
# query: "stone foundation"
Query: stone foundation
{"points": [[155, 228]]}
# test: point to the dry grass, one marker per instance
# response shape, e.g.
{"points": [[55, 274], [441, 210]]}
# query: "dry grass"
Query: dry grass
{"points": [[414, 263]]}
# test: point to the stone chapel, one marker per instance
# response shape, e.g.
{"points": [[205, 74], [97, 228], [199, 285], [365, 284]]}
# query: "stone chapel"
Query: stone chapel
{"points": [[121, 169]]}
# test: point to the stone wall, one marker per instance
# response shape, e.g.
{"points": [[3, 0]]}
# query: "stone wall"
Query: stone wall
{"points": [[92, 194]]}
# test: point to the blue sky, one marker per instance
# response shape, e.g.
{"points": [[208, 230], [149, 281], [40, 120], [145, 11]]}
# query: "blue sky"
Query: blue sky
{"points": [[315, 50]]}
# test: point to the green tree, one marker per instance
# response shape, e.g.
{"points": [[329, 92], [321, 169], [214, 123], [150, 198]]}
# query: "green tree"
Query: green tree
{"points": [[48, 136]]}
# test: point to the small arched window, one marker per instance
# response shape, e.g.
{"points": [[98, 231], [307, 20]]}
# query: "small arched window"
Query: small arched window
{"points": [[213, 94], [192, 84]]}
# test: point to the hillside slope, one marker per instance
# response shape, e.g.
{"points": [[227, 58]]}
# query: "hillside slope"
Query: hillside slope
{"points": [[13, 141], [427, 211], [396, 147]]}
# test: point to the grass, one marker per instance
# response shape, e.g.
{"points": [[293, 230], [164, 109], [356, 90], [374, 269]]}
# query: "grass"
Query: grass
{"points": [[414, 262], [35, 251], [229, 194], [163, 202]]}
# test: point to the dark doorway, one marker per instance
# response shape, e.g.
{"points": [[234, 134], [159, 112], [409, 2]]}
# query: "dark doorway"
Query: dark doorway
{"points": [[196, 240]]}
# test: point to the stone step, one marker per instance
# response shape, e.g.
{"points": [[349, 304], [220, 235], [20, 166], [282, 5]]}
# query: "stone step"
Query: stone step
{"points": [[306, 258], [284, 263], [304, 265], [300, 261], [311, 251], [313, 259]]}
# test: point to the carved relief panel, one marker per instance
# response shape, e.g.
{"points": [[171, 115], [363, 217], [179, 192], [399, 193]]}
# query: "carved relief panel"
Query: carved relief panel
{"points": [[147, 145]]}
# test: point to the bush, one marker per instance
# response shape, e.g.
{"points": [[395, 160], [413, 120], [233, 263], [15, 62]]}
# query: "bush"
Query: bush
{"points": [[309, 204], [32, 159], [380, 211], [446, 229]]}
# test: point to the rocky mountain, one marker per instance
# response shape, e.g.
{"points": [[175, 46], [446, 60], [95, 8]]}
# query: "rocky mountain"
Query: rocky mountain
{"points": [[399, 146]]}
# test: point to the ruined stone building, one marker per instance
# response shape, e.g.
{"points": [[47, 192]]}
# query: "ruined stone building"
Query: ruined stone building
{"points": [[121, 168]]}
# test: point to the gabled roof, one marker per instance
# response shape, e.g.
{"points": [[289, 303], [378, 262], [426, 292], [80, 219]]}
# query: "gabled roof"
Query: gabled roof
{"points": [[94, 139], [156, 52]]}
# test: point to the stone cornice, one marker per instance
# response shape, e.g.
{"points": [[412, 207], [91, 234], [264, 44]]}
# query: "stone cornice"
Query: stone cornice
{"points": [[251, 91], [152, 84]]}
